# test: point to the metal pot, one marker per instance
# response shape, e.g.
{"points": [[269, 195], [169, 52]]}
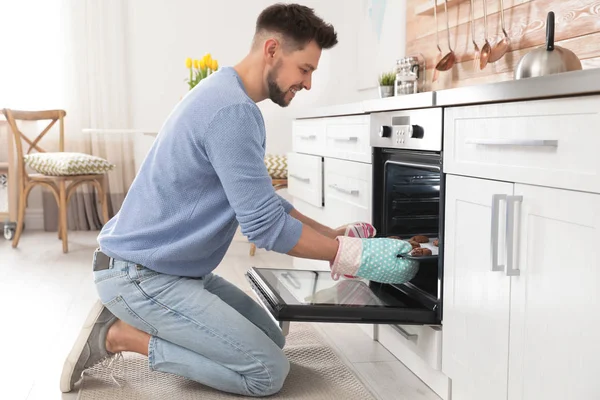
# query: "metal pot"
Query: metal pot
{"points": [[549, 59]]}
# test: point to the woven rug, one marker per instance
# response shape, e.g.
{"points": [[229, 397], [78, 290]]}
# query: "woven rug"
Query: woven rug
{"points": [[316, 373]]}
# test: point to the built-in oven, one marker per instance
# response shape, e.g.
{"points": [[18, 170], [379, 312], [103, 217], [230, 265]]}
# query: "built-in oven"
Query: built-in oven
{"points": [[407, 201]]}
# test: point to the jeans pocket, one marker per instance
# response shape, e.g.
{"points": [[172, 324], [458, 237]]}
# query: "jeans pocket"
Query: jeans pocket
{"points": [[119, 307]]}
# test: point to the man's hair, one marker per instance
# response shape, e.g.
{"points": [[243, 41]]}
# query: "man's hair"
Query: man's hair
{"points": [[297, 24]]}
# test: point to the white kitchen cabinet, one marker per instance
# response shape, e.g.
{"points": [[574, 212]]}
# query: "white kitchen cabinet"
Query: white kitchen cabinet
{"points": [[347, 192], [476, 300], [305, 178], [527, 329], [554, 318]]}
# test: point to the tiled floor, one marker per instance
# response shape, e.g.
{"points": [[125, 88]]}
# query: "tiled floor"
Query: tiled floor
{"points": [[45, 296]]}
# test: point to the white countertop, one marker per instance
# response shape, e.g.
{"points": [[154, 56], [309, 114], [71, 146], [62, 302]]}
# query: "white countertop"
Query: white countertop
{"points": [[574, 83]]}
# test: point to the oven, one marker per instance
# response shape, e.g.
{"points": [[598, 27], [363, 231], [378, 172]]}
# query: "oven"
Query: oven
{"points": [[408, 189]]}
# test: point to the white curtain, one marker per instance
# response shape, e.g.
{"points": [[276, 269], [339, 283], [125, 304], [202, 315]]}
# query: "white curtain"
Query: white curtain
{"points": [[72, 54], [96, 93]]}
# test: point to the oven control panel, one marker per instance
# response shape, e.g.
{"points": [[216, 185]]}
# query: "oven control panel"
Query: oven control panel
{"points": [[409, 129]]}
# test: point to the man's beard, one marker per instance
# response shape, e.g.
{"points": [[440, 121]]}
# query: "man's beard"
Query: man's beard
{"points": [[276, 95]]}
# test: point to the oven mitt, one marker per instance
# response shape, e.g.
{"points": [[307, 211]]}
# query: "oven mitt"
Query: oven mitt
{"points": [[374, 259], [359, 229]]}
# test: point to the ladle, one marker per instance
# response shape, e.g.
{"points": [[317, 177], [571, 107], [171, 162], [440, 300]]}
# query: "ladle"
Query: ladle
{"points": [[449, 59], [502, 46], [436, 73], [475, 47], [486, 51]]}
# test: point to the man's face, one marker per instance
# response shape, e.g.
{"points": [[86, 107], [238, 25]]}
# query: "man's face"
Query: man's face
{"points": [[291, 73]]}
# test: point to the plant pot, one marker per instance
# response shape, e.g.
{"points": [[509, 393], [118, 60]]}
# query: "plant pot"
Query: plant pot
{"points": [[386, 91]]}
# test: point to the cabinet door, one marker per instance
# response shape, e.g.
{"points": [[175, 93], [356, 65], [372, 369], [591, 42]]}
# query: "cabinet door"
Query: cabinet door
{"points": [[476, 299], [554, 346]]}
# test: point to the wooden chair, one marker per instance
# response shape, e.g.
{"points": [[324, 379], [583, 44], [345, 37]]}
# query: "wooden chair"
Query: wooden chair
{"points": [[63, 186], [277, 184]]}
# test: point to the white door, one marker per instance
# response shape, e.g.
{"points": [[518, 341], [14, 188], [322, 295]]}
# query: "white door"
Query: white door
{"points": [[554, 344], [476, 299]]}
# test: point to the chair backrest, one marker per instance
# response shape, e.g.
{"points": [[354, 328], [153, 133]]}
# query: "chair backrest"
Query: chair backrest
{"points": [[12, 116]]}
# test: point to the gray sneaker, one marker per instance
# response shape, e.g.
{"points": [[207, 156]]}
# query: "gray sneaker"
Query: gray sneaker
{"points": [[89, 348]]}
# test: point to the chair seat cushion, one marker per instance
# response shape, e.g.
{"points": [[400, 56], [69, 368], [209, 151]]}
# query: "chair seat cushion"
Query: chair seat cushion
{"points": [[65, 163], [277, 166]]}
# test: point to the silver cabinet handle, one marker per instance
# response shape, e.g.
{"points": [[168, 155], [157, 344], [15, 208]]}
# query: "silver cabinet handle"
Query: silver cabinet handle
{"points": [[495, 234], [307, 137], [511, 229], [344, 190], [405, 334], [301, 179], [346, 139], [514, 142]]}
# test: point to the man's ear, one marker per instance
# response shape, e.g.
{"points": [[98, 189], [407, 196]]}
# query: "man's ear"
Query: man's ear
{"points": [[271, 48]]}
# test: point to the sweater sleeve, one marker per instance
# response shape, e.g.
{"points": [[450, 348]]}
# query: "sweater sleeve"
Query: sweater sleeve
{"points": [[233, 146], [287, 206]]}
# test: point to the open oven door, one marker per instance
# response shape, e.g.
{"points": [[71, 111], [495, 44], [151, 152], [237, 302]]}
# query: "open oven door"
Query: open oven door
{"points": [[314, 296]]}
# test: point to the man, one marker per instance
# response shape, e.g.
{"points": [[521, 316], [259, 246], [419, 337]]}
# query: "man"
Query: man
{"points": [[204, 175]]}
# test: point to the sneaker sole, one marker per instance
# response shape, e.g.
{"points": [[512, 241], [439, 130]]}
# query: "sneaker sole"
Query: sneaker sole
{"points": [[73, 357]]}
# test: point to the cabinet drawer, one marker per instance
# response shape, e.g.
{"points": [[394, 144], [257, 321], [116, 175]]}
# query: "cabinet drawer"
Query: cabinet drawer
{"points": [[420, 349], [305, 178], [347, 191], [548, 142], [348, 138], [308, 136]]}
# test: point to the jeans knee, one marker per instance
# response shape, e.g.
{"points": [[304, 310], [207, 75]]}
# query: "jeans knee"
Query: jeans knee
{"points": [[271, 380]]}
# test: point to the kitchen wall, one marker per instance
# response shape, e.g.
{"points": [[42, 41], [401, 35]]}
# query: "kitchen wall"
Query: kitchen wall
{"points": [[577, 28], [163, 34]]}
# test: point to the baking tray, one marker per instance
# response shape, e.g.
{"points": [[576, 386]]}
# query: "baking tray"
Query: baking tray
{"points": [[434, 252]]}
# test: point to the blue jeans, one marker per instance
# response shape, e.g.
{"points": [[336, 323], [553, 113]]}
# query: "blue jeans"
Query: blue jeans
{"points": [[204, 329]]}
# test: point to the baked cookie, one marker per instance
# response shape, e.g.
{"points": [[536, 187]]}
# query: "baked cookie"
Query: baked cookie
{"points": [[414, 244], [436, 243], [420, 252], [420, 239]]}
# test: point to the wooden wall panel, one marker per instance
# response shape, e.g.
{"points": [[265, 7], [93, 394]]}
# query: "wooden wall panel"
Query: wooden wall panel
{"points": [[577, 28]]}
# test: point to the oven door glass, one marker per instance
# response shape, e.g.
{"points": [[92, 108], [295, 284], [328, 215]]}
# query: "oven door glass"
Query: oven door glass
{"points": [[306, 295]]}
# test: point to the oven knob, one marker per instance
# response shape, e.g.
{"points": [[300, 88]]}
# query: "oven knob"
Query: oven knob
{"points": [[417, 132], [385, 131]]}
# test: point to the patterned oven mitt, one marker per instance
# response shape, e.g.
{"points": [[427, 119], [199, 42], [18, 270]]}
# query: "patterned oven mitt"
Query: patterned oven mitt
{"points": [[359, 230], [374, 259]]}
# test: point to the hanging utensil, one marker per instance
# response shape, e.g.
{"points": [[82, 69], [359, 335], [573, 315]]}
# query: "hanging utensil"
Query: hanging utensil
{"points": [[449, 59], [475, 47], [486, 50], [501, 47], [549, 59], [436, 73]]}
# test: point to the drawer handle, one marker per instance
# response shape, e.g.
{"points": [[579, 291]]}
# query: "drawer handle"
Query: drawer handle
{"points": [[344, 190], [511, 228], [307, 137], [405, 334], [301, 179], [495, 234], [346, 139], [514, 142]]}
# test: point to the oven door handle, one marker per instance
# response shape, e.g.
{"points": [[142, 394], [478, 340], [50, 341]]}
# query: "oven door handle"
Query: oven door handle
{"points": [[417, 165]]}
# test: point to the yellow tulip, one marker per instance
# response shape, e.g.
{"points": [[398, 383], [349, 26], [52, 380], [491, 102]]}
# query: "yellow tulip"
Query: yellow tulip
{"points": [[202, 64], [196, 64], [188, 62], [214, 65]]}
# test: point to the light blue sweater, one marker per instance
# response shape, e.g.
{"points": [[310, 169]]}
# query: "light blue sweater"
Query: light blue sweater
{"points": [[204, 174]]}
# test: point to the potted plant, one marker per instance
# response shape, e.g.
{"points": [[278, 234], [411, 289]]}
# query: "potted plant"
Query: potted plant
{"points": [[200, 69], [386, 84]]}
